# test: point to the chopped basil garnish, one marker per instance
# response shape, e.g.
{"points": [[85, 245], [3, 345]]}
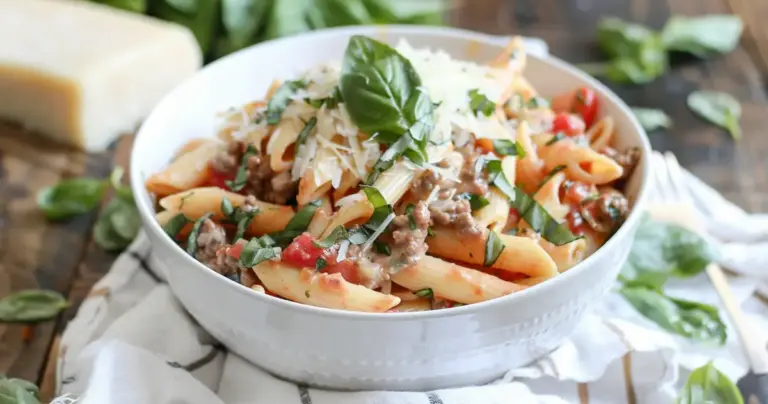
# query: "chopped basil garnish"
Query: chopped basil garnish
{"points": [[388, 158], [320, 264], [241, 178], [281, 99], [409, 211], [192, 239], [315, 103], [479, 103], [304, 134], [506, 147], [382, 248], [493, 248], [530, 210], [243, 223], [71, 197], [430, 232], [31, 306], [537, 102], [475, 201], [330, 102], [426, 292], [558, 137], [306, 294], [340, 233], [512, 232], [256, 251], [174, 226], [226, 207], [298, 223], [381, 209], [549, 176]]}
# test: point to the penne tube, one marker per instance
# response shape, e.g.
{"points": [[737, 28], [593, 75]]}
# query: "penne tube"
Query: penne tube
{"points": [[321, 218], [321, 289], [272, 89], [495, 214], [188, 171], [548, 196], [395, 182], [582, 163], [566, 255], [355, 213], [411, 306], [308, 191], [164, 216], [534, 280], [192, 145], [521, 254], [279, 145], [528, 170], [453, 282], [197, 202], [349, 181], [601, 133]]}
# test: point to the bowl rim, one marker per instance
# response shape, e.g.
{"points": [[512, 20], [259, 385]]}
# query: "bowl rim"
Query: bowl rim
{"points": [[644, 170]]}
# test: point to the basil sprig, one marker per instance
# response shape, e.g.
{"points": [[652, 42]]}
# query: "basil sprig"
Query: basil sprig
{"points": [[530, 210], [71, 197], [280, 100], [18, 391], [505, 147], [480, 104], [692, 320], [493, 248], [257, 250], [297, 225], [706, 384], [722, 109], [384, 97], [31, 306], [241, 177], [476, 201], [702, 36], [652, 119]]}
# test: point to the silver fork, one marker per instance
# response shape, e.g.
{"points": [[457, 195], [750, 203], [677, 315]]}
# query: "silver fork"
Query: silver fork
{"points": [[671, 187]]}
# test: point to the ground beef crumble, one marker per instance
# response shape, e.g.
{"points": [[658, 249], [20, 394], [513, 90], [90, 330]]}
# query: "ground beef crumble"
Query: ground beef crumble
{"points": [[263, 183], [627, 159], [455, 213], [606, 212], [409, 244], [210, 251]]}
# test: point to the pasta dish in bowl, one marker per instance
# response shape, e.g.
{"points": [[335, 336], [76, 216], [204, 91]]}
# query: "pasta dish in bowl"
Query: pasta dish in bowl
{"points": [[395, 179]]}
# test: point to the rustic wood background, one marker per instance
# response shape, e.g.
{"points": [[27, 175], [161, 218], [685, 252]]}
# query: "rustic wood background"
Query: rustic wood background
{"points": [[61, 256]]}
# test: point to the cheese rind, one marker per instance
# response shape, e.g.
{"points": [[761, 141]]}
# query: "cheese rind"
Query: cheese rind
{"points": [[82, 73]]}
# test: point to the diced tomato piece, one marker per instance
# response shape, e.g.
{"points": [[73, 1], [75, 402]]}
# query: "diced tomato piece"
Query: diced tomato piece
{"points": [[585, 104], [575, 222], [235, 250], [302, 252], [569, 124], [218, 179], [514, 217], [576, 193], [347, 269]]}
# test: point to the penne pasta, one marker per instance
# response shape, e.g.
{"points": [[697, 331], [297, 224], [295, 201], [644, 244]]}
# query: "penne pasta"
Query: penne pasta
{"points": [[279, 146], [521, 254], [566, 255], [197, 202], [601, 133], [349, 181], [321, 218], [321, 289], [192, 145], [549, 197], [309, 191], [395, 182], [453, 282], [494, 216], [357, 212], [581, 163], [188, 171]]}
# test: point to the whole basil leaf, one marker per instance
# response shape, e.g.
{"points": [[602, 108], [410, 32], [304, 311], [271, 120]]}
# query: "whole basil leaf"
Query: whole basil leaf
{"points": [[618, 38], [24, 384], [118, 225], [71, 197], [203, 21], [337, 13], [722, 109], [136, 6], [288, 18], [662, 250], [696, 321], [704, 35], [652, 119], [642, 69], [707, 385], [12, 392], [241, 21], [33, 305], [424, 12], [125, 219], [383, 93]]}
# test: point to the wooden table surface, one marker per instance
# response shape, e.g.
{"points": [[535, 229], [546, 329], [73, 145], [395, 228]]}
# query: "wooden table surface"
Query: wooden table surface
{"points": [[61, 256]]}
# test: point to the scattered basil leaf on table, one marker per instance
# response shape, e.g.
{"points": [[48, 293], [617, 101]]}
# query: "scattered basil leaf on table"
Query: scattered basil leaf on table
{"points": [[384, 96], [722, 109], [241, 21], [493, 248], [30, 306], [708, 385], [17, 391], [136, 6], [119, 222], [704, 35], [288, 18], [652, 119], [280, 100], [337, 13], [619, 38], [637, 53], [530, 210], [693, 320], [71, 197], [662, 250], [200, 16]]}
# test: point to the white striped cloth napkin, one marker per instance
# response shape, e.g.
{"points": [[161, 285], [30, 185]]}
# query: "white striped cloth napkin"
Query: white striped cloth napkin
{"points": [[132, 342]]}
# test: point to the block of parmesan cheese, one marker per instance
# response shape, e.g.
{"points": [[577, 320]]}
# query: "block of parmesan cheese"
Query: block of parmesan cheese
{"points": [[82, 73]]}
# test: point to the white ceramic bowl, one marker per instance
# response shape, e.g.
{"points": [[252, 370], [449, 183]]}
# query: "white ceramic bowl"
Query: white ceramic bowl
{"points": [[347, 350]]}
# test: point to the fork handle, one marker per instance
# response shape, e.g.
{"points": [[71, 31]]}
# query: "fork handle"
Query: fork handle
{"points": [[756, 353]]}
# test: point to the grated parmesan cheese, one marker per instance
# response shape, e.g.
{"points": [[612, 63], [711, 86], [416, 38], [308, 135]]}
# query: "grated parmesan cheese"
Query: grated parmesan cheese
{"points": [[368, 243], [349, 199], [343, 246]]}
